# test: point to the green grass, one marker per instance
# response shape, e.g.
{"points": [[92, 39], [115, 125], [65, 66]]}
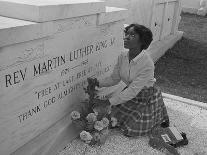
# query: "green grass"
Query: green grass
{"points": [[182, 71]]}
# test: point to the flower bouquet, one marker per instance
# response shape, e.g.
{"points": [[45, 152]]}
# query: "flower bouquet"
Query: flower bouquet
{"points": [[93, 120]]}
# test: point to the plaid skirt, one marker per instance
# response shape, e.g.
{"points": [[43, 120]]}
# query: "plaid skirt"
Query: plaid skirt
{"points": [[140, 115]]}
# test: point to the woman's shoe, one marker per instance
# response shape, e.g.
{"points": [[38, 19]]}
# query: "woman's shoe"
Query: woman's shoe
{"points": [[165, 124], [163, 147]]}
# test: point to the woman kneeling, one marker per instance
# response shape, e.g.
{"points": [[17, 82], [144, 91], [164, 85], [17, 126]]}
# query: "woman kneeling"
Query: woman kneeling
{"points": [[139, 107]]}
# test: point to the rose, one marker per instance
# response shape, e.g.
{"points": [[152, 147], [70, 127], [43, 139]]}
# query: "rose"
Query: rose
{"points": [[99, 125], [87, 141], [113, 121], [91, 117], [85, 136], [96, 111], [105, 121], [75, 115]]}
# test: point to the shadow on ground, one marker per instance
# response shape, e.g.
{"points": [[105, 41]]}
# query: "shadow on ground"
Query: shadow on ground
{"points": [[182, 70]]}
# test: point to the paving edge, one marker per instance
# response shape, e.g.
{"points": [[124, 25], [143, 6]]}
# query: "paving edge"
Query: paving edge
{"points": [[190, 10], [185, 100]]}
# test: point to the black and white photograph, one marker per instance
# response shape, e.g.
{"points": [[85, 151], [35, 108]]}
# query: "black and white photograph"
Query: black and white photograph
{"points": [[103, 77]]}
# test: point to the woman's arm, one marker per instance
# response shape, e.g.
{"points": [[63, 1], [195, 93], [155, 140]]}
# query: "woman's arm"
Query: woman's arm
{"points": [[114, 78], [143, 77]]}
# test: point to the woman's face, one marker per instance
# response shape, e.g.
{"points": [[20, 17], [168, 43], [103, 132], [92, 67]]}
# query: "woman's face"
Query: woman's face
{"points": [[131, 39]]}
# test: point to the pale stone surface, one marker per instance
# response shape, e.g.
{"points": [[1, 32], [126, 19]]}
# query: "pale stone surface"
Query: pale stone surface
{"points": [[161, 16], [51, 141], [190, 4], [168, 19], [185, 100], [198, 7], [139, 10], [181, 115], [42, 76], [46, 10], [9, 23], [15, 31], [156, 23], [165, 18], [202, 11], [12, 30], [158, 48], [43, 79], [112, 14], [189, 10]]}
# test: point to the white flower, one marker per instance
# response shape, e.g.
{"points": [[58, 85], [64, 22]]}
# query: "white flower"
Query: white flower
{"points": [[75, 115], [99, 125], [105, 121], [87, 141], [113, 121], [95, 112], [85, 136], [91, 117]]}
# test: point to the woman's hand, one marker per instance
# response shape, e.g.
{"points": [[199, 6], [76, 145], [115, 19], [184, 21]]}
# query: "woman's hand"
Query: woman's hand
{"points": [[90, 90], [93, 82]]}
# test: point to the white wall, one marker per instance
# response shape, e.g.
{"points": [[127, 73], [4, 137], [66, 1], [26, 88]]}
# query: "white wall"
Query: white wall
{"points": [[85, 46], [139, 10], [191, 4], [198, 7]]}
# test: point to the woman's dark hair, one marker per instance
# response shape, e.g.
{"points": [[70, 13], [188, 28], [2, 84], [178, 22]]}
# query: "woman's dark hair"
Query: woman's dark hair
{"points": [[144, 33]]}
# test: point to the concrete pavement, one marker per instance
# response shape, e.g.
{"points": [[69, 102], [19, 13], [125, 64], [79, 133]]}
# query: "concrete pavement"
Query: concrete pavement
{"points": [[187, 117]]}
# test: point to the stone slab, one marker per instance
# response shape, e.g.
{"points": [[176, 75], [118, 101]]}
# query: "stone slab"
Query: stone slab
{"points": [[112, 14], [189, 10], [12, 30], [42, 80], [185, 100], [51, 141], [166, 1], [158, 48], [47, 10], [191, 4], [139, 11]]}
